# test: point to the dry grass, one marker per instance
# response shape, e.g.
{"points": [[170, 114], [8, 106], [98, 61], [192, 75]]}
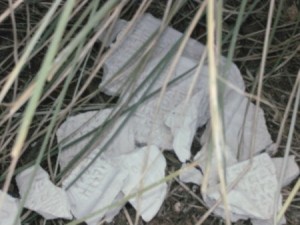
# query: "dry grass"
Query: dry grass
{"points": [[72, 86]]}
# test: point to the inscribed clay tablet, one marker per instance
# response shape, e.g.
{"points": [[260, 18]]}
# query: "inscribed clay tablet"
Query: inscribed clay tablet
{"points": [[110, 215], [9, 209], [75, 127], [95, 189], [291, 172], [205, 157], [190, 175], [240, 131], [144, 29], [145, 166], [254, 195], [148, 119], [44, 197], [150, 127], [184, 121], [239, 125]]}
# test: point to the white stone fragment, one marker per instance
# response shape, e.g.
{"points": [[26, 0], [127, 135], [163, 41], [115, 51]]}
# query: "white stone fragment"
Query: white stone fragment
{"points": [[100, 185], [96, 188], [253, 197], [76, 127], [123, 169], [190, 175], [9, 209], [184, 121], [148, 120], [208, 157], [110, 215], [144, 29], [291, 172], [145, 166], [239, 122], [238, 127], [43, 197], [239, 136]]}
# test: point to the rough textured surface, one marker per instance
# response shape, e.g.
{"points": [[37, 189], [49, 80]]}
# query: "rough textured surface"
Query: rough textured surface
{"points": [[95, 189], [169, 121], [292, 170], [44, 197], [8, 210], [142, 32], [76, 127], [184, 121], [254, 195], [118, 171], [149, 117]]}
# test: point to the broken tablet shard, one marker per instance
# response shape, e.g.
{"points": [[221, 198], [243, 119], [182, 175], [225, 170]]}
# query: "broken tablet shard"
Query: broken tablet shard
{"points": [[100, 185], [110, 215], [43, 197], [254, 195], [292, 170], [184, 121], [76, 130], [239, 120], [96, 187], [9, 209], [141, 33], [148, 119], [146, 166]]}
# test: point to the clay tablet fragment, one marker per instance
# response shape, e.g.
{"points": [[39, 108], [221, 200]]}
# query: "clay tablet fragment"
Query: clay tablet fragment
{"points": [[149, 123], [96, 188], [204, 157], [145, 166], [76, 127], [8, 210], [239, 125], [190, 175], [148, 120], [44, 197], [184, 121], [142, 32], [291, 172], [253, 197]]}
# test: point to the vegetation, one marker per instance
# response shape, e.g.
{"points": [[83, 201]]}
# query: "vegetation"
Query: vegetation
{"points": [[51, 64]]}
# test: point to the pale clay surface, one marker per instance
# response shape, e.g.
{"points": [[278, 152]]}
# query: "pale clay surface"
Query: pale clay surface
{"points": [[149, 122], [148, 119], [292, 171], [95, 189], [171, 125], [253, 197], [9, 209], [170, 110], [181, 116], [44, 197], [149, 168], [183, 122], [79, 125], [111, 171]]}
